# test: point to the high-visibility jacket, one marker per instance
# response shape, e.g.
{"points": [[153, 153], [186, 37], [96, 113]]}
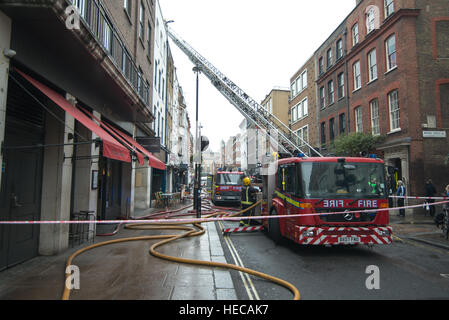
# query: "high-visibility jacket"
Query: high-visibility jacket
{"points": [[248, 197]]}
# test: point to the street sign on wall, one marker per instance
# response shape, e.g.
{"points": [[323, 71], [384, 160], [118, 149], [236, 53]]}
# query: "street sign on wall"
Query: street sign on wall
{"points": [[434, 134]]}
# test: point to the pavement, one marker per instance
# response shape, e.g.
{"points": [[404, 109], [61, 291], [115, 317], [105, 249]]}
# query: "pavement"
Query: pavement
{"points": [[418, 226], [127, 271]]}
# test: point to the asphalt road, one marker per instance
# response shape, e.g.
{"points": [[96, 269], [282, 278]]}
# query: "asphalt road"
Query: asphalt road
{"points": [[406, 271]]}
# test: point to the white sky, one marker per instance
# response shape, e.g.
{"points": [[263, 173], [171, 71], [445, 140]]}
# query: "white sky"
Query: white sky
{"points": [[258, 44]]}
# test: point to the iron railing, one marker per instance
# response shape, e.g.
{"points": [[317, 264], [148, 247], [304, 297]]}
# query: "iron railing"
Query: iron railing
{"points": [[95, 19]]}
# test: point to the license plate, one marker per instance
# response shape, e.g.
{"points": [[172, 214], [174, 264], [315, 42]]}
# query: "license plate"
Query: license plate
{"points": [[348, 239]]}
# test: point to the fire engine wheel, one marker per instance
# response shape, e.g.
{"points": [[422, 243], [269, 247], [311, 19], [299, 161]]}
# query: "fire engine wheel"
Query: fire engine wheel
{"points": [[274, 229]]}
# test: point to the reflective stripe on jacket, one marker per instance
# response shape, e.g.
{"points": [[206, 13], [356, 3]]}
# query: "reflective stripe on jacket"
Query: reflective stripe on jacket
{"points": [[246, 196]]}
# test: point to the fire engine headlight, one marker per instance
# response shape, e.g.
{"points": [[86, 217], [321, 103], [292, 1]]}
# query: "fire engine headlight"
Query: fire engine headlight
{"points": [[308, 233], [218, 197]]}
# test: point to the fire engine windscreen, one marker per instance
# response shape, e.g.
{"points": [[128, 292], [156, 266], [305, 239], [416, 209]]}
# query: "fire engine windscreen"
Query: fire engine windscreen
{"points": [[337, 179], [229, 179]]}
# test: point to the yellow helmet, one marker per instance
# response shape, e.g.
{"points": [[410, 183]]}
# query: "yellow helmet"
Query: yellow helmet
{"points": [[246, 181]]}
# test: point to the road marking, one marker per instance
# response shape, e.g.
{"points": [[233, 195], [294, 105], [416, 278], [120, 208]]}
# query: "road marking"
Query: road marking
{"points": [[247, 282]]}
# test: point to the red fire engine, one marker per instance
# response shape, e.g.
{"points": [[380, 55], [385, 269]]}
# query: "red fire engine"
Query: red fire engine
{"points": [[227, 187], [332, 194]]}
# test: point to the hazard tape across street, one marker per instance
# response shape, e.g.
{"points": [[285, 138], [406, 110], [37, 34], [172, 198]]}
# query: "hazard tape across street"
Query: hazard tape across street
{"points": [[200, 220], [426, 198]]}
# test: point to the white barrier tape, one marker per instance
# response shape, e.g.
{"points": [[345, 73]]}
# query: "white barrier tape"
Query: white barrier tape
{"points": [[427, 198], [199, 220]]}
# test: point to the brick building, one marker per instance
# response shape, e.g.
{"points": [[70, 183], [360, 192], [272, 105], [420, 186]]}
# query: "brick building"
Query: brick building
{"points": [[332, 96], [392, 65], [303, 115]]}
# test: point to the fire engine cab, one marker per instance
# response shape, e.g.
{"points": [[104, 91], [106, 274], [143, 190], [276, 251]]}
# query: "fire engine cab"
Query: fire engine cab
{"points": [[332, 201], [227, 187]]}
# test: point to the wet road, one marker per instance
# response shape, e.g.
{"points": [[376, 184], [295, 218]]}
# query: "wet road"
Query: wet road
{"points": [[405, 270]]}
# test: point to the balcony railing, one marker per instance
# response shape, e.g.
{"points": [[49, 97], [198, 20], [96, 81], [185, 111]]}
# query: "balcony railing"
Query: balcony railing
{"points": [[94, 17]]}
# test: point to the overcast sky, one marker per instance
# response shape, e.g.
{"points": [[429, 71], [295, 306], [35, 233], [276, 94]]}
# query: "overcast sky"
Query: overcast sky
{"points": [[258, 44]]}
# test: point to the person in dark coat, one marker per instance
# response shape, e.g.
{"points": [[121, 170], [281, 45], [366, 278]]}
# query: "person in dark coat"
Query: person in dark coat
{"points": [[401, 193], [430, 192], [248, 198]]}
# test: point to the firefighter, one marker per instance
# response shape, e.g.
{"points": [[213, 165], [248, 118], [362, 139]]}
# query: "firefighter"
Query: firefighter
{"points": [[248, 198]]}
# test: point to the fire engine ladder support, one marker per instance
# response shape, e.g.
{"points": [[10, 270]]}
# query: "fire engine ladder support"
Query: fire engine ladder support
{"points": [[248, 107]]}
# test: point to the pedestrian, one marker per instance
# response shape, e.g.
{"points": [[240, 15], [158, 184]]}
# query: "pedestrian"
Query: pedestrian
{"points": [[446, 191], [401, 193], [391, 183], [248, 198], [430, 191], [182, 193]]}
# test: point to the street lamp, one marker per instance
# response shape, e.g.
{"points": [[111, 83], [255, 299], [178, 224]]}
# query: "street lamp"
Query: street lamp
{"points": [[197, 157]]}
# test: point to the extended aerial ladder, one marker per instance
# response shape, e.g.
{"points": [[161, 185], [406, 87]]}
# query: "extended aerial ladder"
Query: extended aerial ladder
{"points": [[248, 107]]}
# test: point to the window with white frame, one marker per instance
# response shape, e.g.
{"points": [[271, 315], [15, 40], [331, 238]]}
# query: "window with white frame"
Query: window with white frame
{"points": [[320, 65], [393, 106], [127, 6], [304, 79], [322, 98], [329, 58], [149, 41], [302, 109], [107, 35], [81, 6], [339, 48], [299, 84], [358, 119], [389, 7], [370, 20], [305, 107], [302, 135], [330, 92], [374, 108], [355, 34], [141, 21], [390, 48], [357, 75], [294, 113], [372, 65], [341, 85]]}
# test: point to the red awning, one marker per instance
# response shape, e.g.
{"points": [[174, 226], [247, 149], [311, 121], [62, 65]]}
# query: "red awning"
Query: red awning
{"points": [[152, 160], [111, 148], [117, 134]]}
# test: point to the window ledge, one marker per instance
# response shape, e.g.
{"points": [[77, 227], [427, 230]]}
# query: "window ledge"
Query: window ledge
{"points": [[394, 131], [371, 81], [391, 70], [355, 90]]}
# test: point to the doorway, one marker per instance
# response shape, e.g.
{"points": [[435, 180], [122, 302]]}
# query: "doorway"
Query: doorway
{"points": [[21, 184]]}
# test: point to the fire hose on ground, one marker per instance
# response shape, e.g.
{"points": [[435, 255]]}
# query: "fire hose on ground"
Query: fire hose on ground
{"points": [[191, 231]]}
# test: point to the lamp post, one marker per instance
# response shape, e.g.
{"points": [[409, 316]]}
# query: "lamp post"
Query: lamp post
{"points": [[197, 157]]}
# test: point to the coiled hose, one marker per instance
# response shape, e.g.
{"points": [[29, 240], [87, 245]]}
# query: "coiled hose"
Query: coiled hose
{"points": [[195, 230]]}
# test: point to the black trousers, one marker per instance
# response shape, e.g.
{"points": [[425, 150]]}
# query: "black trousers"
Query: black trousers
{"points": [[401, 204], [247, 213], [431, 208]]}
